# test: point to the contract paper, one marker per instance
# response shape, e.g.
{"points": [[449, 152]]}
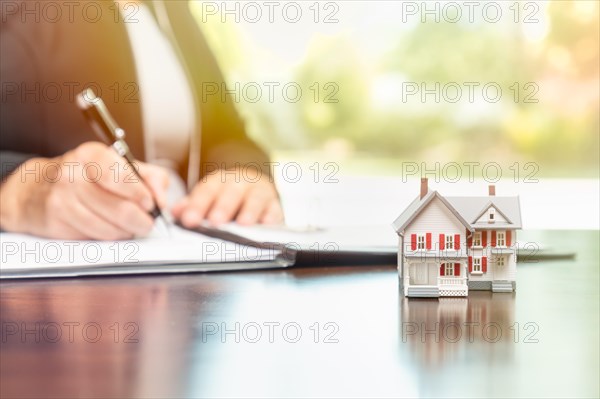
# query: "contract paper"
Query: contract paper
{"points": [[33, 256]]}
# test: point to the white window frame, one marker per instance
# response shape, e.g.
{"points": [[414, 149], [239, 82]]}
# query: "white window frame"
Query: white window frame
{"points": [[491, 215], [501, 239], [477, 265], [449, 266], [420, 241], [477, 239], [500, 261], [449, 244]]}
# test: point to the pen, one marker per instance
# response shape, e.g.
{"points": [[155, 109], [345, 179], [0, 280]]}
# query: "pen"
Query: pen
{"points": [[108, 131]]}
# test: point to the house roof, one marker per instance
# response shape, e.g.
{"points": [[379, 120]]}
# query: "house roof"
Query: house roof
{"points": [[471, 208], [418, 204], [487, 206], [466, 209]]}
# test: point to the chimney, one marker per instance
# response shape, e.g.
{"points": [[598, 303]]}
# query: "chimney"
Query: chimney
{"points": [[492, 190], [424, 188]]}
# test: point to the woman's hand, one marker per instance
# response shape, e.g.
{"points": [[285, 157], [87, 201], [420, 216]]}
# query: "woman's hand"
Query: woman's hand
{"points": [[230, 195], [88, 193]]}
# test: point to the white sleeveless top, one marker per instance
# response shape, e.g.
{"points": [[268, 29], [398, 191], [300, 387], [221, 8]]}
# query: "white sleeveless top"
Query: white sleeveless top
{"points": [[167, 104]]}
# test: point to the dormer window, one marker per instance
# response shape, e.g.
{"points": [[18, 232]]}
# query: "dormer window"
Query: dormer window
{"points": [[491, 215]]}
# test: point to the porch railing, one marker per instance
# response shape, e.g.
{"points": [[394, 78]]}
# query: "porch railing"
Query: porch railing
{"points": [[452, 280]]}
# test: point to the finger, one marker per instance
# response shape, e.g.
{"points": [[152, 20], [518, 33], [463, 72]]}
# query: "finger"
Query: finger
{"points": [[124, 214], [228, 203], [90, 225], [103, 166], [253, 208], [158, 181], [178, 209], [199, 202], [273, 214], [62, 231]]}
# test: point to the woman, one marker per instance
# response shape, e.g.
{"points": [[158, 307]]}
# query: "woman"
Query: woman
{"points": [[148, 61]]}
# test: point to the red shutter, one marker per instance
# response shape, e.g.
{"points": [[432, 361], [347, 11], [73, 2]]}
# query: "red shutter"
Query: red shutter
{"points": [[493, 238], [469, 239], [428, 241], [484, 239], [470, 264], [508, 237], [442, 243], [441, 269], [413, 242], [457, 241], [484, 264], [457, 269]]}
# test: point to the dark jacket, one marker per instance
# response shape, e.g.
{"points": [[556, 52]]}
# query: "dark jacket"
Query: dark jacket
{"points": [[45, 61]]}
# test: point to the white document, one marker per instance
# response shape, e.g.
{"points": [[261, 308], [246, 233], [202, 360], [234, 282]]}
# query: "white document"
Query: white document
{"points": [[182, 251], [178, 247]]}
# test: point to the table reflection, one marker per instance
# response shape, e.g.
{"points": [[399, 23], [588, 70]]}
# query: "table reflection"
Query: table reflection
{"points": [[444, 331], [110, 339]]}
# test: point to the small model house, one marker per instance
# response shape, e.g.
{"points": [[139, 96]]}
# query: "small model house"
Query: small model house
{"points": [[450, 245]]}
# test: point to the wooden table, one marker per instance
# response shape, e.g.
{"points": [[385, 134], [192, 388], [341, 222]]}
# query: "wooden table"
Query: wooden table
{"points": [[337, 331]]}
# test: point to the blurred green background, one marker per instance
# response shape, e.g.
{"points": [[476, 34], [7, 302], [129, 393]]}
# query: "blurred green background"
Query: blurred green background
{"points": [[365, 55]]}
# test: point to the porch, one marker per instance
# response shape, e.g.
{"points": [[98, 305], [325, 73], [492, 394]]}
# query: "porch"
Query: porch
{"points": [[453, 286], [435, 277], [444, 286]]}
